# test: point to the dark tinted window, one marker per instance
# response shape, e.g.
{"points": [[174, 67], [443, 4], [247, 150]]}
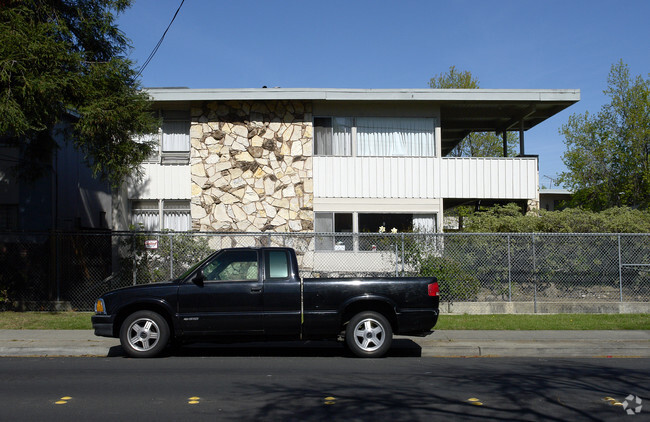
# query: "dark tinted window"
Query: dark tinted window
{"points": [[232, 265], [277, 264]]}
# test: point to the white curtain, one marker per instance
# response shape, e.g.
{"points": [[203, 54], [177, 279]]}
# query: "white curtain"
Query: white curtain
{"points": [[177, 220], [176, 136], [333, 137], [397, 136], [146, 220], [424, 223]]}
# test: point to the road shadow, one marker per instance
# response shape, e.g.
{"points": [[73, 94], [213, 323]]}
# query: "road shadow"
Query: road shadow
{"points": [[403, 348]]}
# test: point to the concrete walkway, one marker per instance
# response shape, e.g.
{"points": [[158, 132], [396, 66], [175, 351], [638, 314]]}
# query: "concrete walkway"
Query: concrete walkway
{"points": [[440, 343]]}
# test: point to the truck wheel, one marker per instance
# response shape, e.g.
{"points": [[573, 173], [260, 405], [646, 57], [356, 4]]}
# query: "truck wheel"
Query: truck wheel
{"points": [[369, 335], [144, 334]]}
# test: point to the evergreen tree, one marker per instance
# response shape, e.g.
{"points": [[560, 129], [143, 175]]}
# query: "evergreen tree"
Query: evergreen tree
{"points": [[64, 60]]}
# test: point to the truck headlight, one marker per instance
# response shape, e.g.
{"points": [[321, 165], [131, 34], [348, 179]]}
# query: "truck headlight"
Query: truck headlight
{"points": [[99, 307]]}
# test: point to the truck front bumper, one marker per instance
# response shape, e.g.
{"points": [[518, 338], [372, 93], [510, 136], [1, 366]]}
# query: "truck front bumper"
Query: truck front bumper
{"points": [[103, 325]]}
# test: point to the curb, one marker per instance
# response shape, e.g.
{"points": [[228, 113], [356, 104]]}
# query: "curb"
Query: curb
{"points": [[451, 343]]}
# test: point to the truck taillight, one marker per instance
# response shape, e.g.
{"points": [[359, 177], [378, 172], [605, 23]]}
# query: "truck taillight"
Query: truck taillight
{"points": [[433, 289]]}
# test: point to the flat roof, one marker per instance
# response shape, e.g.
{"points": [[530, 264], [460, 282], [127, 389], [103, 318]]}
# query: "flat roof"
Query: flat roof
{"points": [[462, 111]]}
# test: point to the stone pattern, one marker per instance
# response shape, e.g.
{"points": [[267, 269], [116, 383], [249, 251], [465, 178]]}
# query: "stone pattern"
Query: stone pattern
{"points": [[251, 165]]}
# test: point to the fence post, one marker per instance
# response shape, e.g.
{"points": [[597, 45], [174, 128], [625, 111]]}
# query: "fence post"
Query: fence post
{"points": [[402, 254], [534, 277], [171, 256], [620, 269], [396, 261], [134, 260], [509, 273]]}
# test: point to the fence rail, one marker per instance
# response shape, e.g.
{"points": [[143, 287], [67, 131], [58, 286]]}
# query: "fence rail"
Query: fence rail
{"points": [[41, 270]]}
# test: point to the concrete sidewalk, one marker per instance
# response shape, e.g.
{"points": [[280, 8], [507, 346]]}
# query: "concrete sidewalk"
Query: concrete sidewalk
{"points": [[440, 343]]}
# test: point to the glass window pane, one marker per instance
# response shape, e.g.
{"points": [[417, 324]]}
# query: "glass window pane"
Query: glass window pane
{"points": [[395, 136], [176, 136], [278, 264], [232, 265], [324, 223], [145, 215], [176, 215], [333, 136]]}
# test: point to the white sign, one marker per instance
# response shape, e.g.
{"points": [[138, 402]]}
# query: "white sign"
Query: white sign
{"points": [[151, 244]]}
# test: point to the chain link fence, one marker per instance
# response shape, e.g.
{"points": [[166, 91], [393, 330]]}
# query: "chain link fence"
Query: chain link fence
{"points": [[47, 271]]}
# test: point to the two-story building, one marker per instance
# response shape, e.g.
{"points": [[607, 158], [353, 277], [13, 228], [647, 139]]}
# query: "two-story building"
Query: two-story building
{"points": [[329, 160]]}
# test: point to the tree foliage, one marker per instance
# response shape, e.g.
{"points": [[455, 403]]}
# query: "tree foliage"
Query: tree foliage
{"points": [[509, 219], [475, 144], [608, 154], [63, 61]]}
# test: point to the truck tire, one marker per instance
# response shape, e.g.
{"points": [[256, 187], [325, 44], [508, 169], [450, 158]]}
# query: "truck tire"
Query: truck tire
{"points": [[369, 335], [144, 334]]}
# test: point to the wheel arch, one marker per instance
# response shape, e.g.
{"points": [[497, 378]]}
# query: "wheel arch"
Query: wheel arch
{"points": [[159, 307], [375, 304]]}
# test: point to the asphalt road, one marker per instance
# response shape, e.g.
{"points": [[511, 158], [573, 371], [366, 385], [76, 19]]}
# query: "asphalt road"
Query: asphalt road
{"points": [[320, 388]]}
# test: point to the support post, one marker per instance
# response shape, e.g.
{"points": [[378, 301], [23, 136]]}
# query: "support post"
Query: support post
{"points": [[522, 149]]}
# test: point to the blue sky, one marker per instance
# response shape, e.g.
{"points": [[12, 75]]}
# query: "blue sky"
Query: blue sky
{"points": [[396, 44]]}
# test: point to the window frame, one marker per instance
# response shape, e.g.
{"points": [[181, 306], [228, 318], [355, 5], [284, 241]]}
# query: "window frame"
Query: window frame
{"points": [[175, 156]]}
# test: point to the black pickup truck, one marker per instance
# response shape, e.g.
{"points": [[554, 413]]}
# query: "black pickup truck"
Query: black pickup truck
{"points": [[244, 294]]}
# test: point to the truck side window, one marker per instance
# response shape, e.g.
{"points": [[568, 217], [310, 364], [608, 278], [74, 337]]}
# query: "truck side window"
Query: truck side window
{"points": [[232, 265], [277, 264]]}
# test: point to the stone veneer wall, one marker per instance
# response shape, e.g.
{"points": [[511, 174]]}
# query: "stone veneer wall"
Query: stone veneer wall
{"points": [[251, 164]]}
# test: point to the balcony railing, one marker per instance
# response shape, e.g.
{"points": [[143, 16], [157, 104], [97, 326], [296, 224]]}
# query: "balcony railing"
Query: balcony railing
{"points": [[425, 178]]}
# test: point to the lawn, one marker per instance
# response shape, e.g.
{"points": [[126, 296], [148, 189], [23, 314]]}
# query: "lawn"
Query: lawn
{"points": [[81, 321]]}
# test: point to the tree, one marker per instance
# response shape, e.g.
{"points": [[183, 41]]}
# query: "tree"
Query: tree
{"points": [[476, 144], [608, 154], [63, 61]]}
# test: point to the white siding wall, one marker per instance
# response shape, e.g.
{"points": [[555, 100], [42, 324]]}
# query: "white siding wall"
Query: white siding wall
{"points": [[162, 182], [374, 177], [497, 178], [412, 177]]}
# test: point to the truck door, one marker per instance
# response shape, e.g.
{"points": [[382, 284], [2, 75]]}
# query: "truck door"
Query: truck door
{"points": [[230, 299], [281, 295]]}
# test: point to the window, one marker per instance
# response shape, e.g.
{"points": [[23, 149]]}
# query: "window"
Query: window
{"points": [[175, 136], [146, 215], [176, 216], [8, 217], [154, 139], [374, 136], [232, 265], [175, 143], [333, 136], [277, 264], [329, 222], [367, 235]]}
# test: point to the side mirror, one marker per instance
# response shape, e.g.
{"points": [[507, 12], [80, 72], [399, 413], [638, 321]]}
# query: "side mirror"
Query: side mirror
{"points": [[199, 278]]}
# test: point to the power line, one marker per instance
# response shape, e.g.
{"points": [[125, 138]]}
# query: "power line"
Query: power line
{"points": [[155, 49]]}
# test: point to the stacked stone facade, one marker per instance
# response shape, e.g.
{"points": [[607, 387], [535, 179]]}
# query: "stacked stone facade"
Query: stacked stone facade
{"points": [[251, 165]]}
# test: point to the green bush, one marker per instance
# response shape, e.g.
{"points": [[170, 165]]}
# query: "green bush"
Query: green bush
{"points": [[510, 219], [455, 282]]}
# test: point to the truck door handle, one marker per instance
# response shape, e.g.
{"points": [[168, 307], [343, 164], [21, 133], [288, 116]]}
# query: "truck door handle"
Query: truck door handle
{"points": [[256, 289]]}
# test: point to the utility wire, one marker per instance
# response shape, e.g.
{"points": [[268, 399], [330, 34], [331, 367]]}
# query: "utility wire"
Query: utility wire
{"points": [[155, 49]]}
